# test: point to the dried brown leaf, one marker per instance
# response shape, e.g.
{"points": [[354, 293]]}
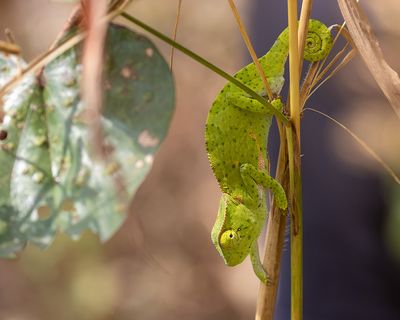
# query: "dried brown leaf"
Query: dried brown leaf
{"points": [[368, 46]]}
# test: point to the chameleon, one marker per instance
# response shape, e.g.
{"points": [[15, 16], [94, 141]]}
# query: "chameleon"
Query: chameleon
{"points": [[236, 134]]}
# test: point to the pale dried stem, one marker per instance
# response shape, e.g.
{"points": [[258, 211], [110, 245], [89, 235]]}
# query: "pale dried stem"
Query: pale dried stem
{"points": [[363, 144], [250, 48], [274, 240], [73, 20], [342, 31], [317, 72], [343, 63], [303, 27], [323, 72], [307, 82], [178, 15], [323, 61]]}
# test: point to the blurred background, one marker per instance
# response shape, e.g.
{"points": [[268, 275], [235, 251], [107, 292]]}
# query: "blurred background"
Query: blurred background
{"points": [[161, 263]]}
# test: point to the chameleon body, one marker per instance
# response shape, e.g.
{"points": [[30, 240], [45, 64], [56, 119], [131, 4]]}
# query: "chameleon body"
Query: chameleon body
{"points": [[236, 134]]}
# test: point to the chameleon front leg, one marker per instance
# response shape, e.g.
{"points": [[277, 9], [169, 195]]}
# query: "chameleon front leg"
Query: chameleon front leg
{"points": [[257, 265], [240, 100], [252, 177]]}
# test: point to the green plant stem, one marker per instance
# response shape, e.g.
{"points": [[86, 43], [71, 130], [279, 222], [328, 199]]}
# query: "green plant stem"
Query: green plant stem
{"points": [[207, 64], [296, 234], [295, 194], [296, 239]]}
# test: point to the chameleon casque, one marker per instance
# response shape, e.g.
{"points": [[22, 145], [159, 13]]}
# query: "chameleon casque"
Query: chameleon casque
{"points": [[236, 136]]}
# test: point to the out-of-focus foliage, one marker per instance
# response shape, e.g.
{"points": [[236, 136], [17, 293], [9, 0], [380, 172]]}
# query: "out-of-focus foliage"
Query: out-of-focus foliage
{"points": [[49, 178], [169, 270]]}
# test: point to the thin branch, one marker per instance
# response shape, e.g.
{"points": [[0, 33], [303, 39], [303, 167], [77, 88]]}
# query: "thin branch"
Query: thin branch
{"points": [[303, 28], [73, 20], [274, 240], [250, 48], [342, 32], [295, 195], [344, 62], [178, 15], [362, 143]]}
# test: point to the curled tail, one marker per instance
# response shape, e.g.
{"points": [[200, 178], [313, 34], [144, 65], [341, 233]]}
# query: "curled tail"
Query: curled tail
{"points": [[318, 42], [317, 46]]}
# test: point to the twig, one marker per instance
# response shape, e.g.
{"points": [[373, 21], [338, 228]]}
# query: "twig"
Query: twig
{"points": [[363, 144], [303, 27], [295, 195], [73, 20], [250, 48], [178, 15], [274, 240]]}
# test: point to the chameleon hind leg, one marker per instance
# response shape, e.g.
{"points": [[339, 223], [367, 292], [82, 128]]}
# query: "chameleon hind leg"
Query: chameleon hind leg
{"points": [[252, 177]]}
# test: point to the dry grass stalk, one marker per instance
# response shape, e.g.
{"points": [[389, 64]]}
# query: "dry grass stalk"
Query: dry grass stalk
{"points": [[250, 48], [363, 144], [178, 15]]}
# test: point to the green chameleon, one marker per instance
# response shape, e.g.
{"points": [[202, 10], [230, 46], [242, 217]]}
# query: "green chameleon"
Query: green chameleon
{"points": [[236, 134]]}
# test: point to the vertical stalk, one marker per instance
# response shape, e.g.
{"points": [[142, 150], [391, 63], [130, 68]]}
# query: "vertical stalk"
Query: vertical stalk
{"points": [[296, 237], [303, 25], [294, 64], [275, 237], [296, 233]]}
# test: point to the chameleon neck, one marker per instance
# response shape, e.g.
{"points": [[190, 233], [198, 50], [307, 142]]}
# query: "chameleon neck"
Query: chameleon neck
{"points": [[273, 63]]}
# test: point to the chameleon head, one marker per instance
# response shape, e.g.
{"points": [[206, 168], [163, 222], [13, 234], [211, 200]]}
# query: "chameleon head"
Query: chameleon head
{"points": [[234, 231]]}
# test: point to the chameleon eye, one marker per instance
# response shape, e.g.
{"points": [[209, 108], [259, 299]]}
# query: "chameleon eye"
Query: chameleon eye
{"points": [[229, 239]]}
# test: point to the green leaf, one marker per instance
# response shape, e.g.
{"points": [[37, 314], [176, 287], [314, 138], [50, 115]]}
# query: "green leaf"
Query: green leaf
{"points": [[49, 178]]}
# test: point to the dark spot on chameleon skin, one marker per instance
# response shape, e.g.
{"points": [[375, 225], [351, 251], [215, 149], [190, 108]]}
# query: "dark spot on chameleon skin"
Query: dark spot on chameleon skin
{"points": [[248, 237], [3, 135]]}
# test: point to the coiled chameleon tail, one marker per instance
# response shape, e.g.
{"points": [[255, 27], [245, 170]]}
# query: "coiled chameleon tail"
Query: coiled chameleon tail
{"points": [[318, 42]]}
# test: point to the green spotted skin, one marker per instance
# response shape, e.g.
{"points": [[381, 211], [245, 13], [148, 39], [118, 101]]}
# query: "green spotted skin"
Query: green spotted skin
{"points": [[236, 134]]}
